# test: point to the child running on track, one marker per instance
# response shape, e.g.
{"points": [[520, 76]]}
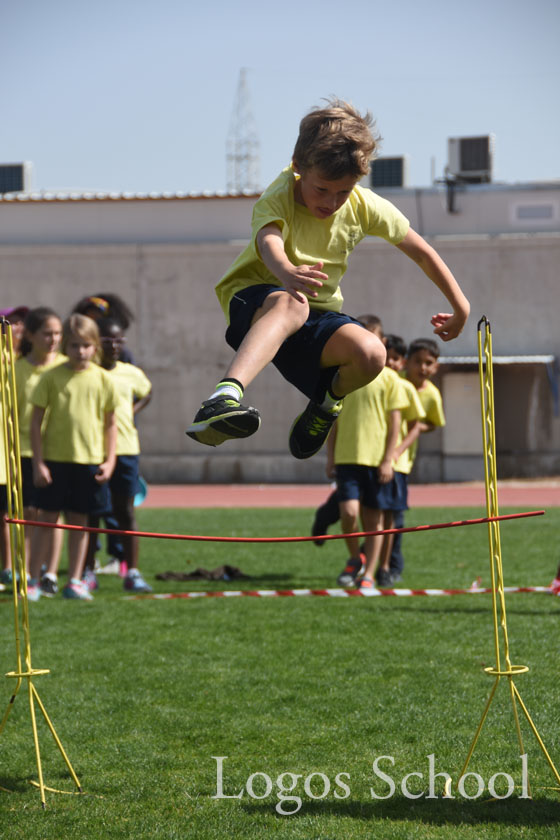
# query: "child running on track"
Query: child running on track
{"points": [[282, 297]]}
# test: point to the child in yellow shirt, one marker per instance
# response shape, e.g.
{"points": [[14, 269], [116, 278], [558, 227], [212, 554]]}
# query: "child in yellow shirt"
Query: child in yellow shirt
{"points": [[74, 451]]}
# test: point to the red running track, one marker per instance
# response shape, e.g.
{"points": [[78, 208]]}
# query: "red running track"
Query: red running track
{"points": [[530, 494]]}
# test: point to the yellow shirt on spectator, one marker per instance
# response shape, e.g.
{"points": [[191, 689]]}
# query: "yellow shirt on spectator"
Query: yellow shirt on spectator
{"points": [[27, 376], [430, 397], [131, 383], [361, 428], [77, 402], [414, 411]]}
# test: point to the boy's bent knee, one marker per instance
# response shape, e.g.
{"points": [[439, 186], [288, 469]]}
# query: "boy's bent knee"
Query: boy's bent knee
{"points": [[369, 361], [284, 306]]}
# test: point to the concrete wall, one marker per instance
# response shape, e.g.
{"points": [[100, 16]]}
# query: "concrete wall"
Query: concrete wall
{"points": [[178, 340]]}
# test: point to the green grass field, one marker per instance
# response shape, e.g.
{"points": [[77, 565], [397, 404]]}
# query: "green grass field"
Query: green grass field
{"points": [[144, 693]]}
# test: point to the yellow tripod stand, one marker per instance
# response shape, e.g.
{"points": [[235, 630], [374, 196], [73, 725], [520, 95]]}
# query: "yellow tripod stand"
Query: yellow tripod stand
{"points": [[24, 669], [503, 667]]}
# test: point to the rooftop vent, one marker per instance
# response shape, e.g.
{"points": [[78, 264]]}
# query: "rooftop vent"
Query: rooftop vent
{"points": [[15, 177], [470, 159], [389, 172]]}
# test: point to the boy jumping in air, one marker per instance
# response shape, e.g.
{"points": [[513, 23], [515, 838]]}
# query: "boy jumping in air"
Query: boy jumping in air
{"points": [[282, 298]]}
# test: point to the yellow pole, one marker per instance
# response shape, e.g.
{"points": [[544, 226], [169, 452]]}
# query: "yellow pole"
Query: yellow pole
{"points": [[24, 670], [486, 377]]}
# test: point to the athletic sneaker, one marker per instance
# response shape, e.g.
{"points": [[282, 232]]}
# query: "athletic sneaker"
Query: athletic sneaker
{"points": [[383, 578], [49, 587], [77, 591], [367, 586], [90, 580], [6, 577], [310, 430], [33, 591], [134, 582], [223, 418], [112, 567], [348, 575]]}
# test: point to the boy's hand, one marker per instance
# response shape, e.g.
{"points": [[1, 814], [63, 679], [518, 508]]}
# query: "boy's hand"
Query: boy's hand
{"points": [[385, 472], [104, 472], [449, 326], [303, 278], [298, 280], [41, 474]]}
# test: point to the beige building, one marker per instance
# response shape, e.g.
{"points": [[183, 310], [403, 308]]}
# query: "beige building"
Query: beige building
{"points": [[164, 254]]}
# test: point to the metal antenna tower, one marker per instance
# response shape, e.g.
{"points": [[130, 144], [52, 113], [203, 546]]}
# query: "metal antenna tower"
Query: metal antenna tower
{"points": [[242, 155]]}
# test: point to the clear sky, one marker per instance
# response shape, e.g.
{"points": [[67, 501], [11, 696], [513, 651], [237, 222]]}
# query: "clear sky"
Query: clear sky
{"points": [[137, 95]]}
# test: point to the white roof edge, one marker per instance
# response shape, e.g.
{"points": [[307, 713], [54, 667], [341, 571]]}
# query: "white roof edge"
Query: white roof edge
{"points": [[99, 195], [499, 360]]}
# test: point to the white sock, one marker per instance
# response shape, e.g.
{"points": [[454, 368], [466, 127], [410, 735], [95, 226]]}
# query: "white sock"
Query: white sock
{"points": [[330, 401], [228, 388]]}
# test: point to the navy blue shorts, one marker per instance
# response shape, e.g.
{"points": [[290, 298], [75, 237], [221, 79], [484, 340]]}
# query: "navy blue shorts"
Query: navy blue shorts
{"points": [[299, 357], [355, 481], [29, 491], [3, 498], [73, 489], [124, 481]]}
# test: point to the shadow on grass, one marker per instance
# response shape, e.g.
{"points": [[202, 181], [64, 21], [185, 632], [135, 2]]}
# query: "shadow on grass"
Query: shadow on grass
{"points": [[16, 784], [444, 606], [512, 811]]}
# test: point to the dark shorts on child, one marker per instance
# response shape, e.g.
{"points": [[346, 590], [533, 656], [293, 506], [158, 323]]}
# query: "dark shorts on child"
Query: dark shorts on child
{"points": [[355, 481], [299, 357], [3, 498], [73, 489], [29, 491], [124, 481]]}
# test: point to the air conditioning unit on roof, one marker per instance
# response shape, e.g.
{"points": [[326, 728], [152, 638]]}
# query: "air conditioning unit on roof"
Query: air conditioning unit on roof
{"points": [[470, 159], [15, 177], [389, 172]]}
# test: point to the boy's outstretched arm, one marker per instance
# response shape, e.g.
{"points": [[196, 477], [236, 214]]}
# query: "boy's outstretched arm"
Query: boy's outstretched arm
{"points": [[295, 278], [446, 325]]}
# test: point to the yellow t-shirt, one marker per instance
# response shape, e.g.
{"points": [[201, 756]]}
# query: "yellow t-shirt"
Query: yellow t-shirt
{"points": [[27, 376], [308, 240], [131, 383], [77, 402], [432, 403], [361, 428], [414, 411]]}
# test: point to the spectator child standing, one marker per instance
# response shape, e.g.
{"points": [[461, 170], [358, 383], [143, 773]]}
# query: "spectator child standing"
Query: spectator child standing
{"points": [[421, 365], [411, 417], [39, 352], [99, 306], [74, 452], [282, 297], [329, 512], [361, 449], [133, 394]]}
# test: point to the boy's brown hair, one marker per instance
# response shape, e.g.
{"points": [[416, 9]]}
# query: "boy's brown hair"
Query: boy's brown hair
{"points": [[423, 344], [85, 328], [338, 140], [371, 323]]}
